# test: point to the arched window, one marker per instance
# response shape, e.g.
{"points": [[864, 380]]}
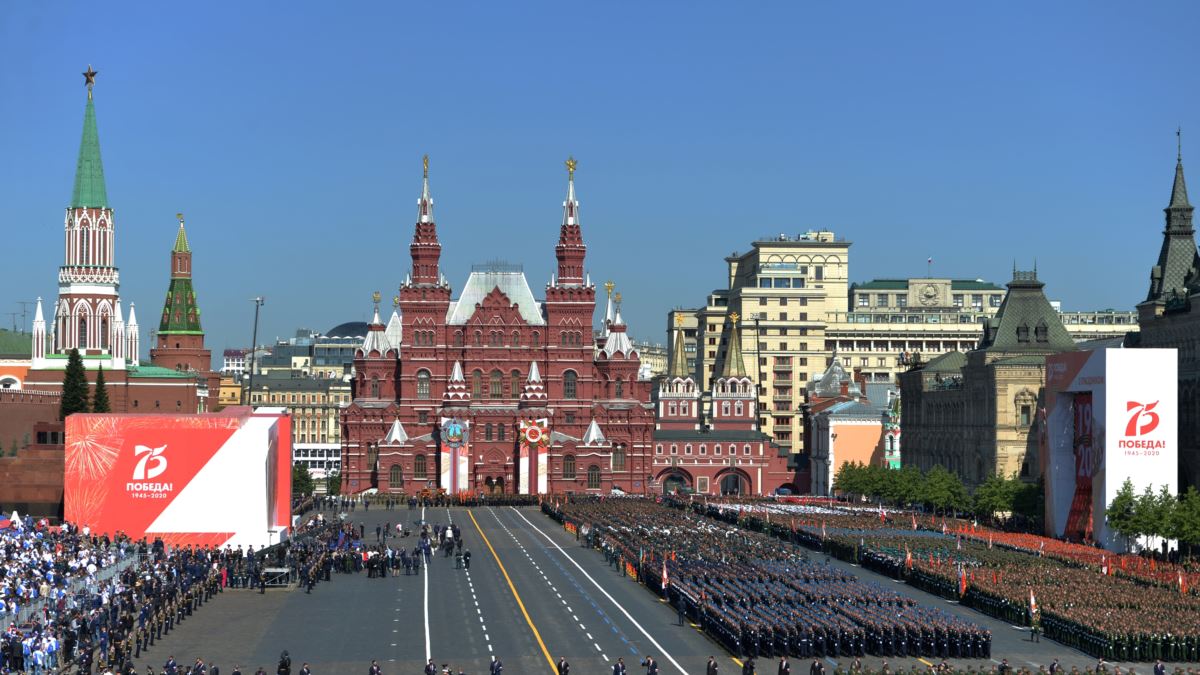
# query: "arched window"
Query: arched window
{"points": [[569, 467], [487, 431], [724, 408], [619, 391], [83, 333], [569, 381], [104, 331], [618, 458], [500, 432], [535, 339], [496, 384], [478, 338], [458, 338], [737, 408], [419, 467], [372, 456], [496, 338], [672, 409], [374, 387], [477, 384], [423, 384], [516, 383], [516, 339], [593, 477], [83, 242], [395, 475]]}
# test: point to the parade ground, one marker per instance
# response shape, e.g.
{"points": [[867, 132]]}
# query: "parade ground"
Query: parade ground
{"points": [[532, 595]]}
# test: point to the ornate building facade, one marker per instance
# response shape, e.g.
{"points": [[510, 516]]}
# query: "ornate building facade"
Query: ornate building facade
{"points": [[1170, 317], [496, 390], [727, 454], [973, 413]]}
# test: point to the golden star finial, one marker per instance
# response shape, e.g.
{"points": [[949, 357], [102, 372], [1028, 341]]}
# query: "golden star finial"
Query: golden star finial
{"points": [[375, 296], [571, 164], [89, 79], [179, 217], [395, 301], [678, 319], [617, 298], [734, 318], [425, 165], [608, 287]]}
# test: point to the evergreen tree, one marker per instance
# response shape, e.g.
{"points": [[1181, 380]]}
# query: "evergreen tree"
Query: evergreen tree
{"points": [[333, 484], [75, 387], [100, 395], [302, 482]]}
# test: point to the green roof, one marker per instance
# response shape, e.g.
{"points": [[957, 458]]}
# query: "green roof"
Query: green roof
{"points": [[902, 284], [1025, 321], [158, 371], [15, 344], [883, 285], [181, 245], [946, 363], [180, 313], [89, 171]]}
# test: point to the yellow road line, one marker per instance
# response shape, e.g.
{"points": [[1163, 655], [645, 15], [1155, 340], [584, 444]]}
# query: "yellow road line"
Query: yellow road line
{"points": [[511, 587], [737, 661], [924, 661]]}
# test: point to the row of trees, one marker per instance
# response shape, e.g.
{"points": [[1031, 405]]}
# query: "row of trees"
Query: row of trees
{"points": [[1155, 514], [939, 490], [75, 389], [303, 484]]}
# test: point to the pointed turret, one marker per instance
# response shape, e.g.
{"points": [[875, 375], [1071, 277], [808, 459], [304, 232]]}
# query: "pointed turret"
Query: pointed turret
{"points": [[118, 337], [734, 365], [180, 338], [395, 327], [571, 249], [618, 341], [133, 351], [678, 352], [1178, 259], [89, 189], [593, 435], [457, 392], [375, 344], [608, 306], [396, 435], [534, 392], [39, 334], [425, 249]]}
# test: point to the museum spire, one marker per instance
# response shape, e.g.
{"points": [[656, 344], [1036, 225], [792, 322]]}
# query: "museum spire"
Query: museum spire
{"points": [[571, 249]]}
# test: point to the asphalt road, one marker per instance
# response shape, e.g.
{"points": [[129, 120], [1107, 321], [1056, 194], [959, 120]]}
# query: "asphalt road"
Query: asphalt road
{"points": [[531, 597]]}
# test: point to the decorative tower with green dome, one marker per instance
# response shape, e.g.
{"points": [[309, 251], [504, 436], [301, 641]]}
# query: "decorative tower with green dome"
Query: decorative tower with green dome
{"points": [[180, 341]]}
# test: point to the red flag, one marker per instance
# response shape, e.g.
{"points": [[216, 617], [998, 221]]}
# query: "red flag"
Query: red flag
{"points": [[1033, 608], [914, 519], [908, 561], [1152, 567], [664, 578], [989, 540], [1183, 588], [1104, 565], [822, 529], [962, 581], [793, 524]]}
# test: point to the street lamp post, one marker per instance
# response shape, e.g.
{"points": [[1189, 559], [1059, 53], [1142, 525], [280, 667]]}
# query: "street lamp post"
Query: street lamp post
{"points": [[258, 302]]}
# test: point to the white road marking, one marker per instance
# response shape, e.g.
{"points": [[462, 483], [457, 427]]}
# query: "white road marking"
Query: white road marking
{"points": [[600, 588], [428, 651]]}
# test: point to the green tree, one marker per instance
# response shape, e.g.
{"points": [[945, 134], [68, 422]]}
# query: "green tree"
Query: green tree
{"points": [[1145, 513], [850, 478], [944, 490], [100, 394], [1165, 504], [1120, 512], [302, 481], [75, 387], [907, 486], [333, 484], [1029, 499], [995, 495], [1186, 519]]}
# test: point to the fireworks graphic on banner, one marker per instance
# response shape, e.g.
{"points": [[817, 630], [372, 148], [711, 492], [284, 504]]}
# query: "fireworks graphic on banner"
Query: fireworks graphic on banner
{"points": [[92, 447]]}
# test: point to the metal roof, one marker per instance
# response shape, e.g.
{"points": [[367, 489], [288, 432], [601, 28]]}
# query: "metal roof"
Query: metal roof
{"points": [[511, 282]]}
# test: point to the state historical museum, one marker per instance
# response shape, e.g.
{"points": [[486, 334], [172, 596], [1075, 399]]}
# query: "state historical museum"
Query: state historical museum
{"points": [[497, 391]]}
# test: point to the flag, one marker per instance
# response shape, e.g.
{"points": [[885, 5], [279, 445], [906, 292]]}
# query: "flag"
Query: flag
{"points": [[1041, 548], [793, 523], [908, 561], [1182, 583], [822, 529], [1104, 565], [989, 540], [1033, 608], [962, 580], [914, 519], [664, 578], [943, 526], [641, 556], [958, 542]]}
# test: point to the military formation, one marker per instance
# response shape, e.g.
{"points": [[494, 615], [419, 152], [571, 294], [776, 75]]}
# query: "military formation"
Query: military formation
{"points": [[760, 597]]}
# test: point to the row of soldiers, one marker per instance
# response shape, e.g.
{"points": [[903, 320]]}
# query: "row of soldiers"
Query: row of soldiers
{"points": [[761, 597]]}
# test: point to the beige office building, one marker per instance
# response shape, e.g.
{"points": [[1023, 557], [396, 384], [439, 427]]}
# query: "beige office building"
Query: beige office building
{"points": [[784, 288]]}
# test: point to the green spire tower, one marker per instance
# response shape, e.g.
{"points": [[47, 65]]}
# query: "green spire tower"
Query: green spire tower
{"points": [[89, 189], [180, 343]]}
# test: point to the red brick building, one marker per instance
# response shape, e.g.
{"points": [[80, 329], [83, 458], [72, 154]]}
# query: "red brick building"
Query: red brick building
{"points": [[497, 390], [726, 454]]}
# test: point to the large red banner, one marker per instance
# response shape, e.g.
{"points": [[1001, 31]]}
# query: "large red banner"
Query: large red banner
{"points": [[188, 479]]}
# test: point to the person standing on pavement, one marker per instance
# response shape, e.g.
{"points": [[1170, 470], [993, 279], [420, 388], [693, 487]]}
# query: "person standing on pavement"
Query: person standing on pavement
{"points": [[748, 666], [651, 665], [564, 668], [430, 668], [374, 669], [304, 669], [712, 668], [816, 668], [785, 668], [496, 667]]}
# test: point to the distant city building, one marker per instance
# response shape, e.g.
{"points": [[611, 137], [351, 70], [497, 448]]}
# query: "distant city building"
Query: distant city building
{"points": [[973, 412], [785, 289], [1170, 317], [894, 323], [233, 362]]}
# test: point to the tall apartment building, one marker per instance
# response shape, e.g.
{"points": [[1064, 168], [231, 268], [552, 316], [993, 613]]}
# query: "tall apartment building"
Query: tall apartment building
{"points": [[785, 289]]}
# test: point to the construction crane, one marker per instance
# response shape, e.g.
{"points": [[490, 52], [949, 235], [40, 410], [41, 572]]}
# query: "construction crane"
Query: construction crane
{"points": [[25, 305]]}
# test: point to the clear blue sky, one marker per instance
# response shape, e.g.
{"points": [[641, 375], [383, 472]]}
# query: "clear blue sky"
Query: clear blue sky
{"points": [[290, 134]]}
